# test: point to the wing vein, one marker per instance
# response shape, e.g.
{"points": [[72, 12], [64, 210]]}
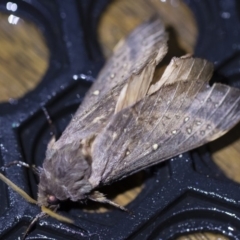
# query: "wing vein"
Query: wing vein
{"points": [[166, 110], [198, 128]]}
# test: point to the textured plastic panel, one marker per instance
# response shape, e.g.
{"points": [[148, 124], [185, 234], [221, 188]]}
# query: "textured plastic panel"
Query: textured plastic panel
{"points": [[186, 194]]}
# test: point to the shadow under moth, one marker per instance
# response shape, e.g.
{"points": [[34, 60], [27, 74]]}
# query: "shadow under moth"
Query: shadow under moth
{"points": [[128, 122]]}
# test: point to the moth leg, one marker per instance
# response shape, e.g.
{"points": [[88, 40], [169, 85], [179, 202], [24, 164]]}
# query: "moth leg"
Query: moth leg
{"points": [[52, 141], [52, 127], [40, 215], [99, 197], [22, 164]]}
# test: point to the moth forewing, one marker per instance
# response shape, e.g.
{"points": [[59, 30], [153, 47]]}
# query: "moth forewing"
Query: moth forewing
{"points": [[143, 48], [184, 68], [147, 44], [137, 85], [182, 114]]}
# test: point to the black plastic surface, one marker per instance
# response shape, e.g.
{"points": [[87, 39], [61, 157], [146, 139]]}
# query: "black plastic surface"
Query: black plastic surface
{"points": [[186, 194]]}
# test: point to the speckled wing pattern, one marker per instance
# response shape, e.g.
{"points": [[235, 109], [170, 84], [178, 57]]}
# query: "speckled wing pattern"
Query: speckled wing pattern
{"points": [[179, 113], [142, 49], [146, 44]]}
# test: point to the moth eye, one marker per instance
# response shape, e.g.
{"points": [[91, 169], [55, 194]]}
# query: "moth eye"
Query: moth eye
{"points": [[52, 200]]}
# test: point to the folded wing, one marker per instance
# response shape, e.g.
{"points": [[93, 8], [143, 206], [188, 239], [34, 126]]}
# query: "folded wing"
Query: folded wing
{"points": [[180, 114], [134, 60], [147, 44]]}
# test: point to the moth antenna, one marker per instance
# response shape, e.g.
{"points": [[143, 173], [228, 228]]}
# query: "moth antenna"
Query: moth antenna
{"points": [[22, 164], [40, 215], [99, 197], [56, 215], [31, 200], [52, 127], [17, 189]]}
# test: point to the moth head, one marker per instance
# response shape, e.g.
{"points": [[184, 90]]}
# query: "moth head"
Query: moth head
{"points": [[48, 189], [45, 211], [52, 200], [64, 176], [47, 200]]}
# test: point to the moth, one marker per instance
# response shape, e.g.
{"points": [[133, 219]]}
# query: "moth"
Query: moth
{"points": [[129, 121]]}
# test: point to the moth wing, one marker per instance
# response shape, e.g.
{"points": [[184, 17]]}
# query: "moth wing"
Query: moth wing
{"points": [[177, 117], [179, 69], [145, 44], [133, 61]]}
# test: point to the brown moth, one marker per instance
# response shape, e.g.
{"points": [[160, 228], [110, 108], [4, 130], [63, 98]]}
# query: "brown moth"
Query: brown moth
{"points": [[127, 122], [68, 170]]}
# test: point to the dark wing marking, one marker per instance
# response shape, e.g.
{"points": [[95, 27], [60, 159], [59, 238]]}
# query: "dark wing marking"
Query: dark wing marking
{"points": [[176, 118]]}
